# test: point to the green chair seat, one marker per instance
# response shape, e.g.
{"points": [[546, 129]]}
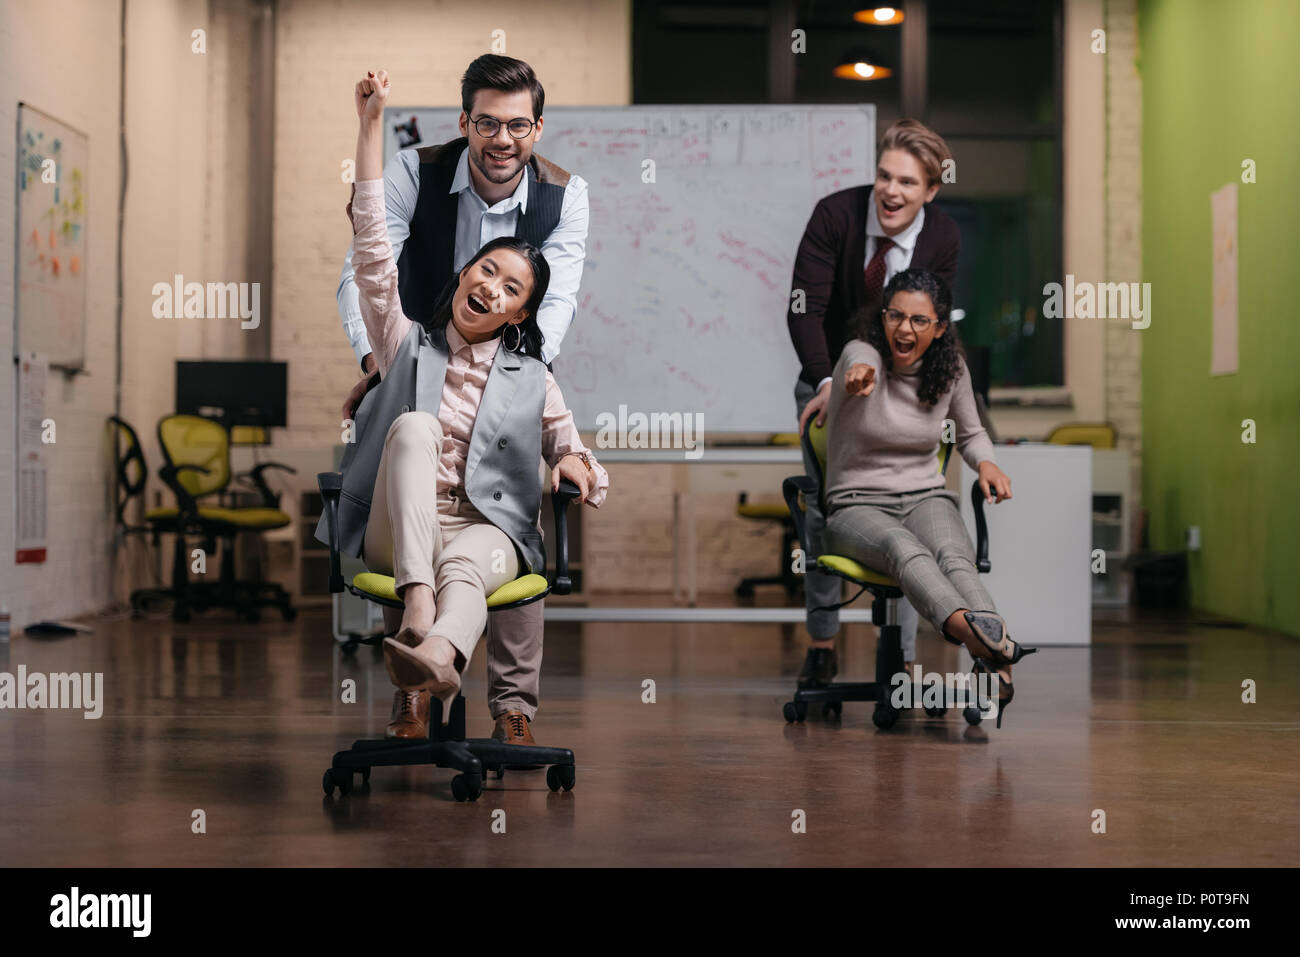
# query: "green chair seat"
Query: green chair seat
{"points": [[854, 571], [241, 517], [251, 517], [378, 586], [774, 511]]}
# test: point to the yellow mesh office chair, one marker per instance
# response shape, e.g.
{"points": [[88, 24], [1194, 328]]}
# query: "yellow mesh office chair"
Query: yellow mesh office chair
{"points": [[447, 746], [196, 451], [774, 512], [885, 594], [1100, 435]]}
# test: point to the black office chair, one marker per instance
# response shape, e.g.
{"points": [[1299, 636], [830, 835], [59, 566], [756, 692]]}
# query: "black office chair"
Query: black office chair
{"points": [[884, 606], [447, 746]]}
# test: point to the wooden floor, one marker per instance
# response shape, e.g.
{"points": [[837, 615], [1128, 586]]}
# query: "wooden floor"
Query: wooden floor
{"points": [[241, 720]]}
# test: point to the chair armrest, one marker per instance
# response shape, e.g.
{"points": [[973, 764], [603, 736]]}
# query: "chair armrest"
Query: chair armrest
{"points": [[791, 488], [169, 474], [331, 484], [560, 500], [269, 498], [981, 529]]}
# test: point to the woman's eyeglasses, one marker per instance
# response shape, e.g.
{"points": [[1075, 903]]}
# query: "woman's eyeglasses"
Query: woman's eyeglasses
{"points": [[919, 323], [489, 126]]}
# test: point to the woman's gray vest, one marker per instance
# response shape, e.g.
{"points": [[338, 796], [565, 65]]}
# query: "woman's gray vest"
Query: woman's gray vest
{"points": [[501, 471]]}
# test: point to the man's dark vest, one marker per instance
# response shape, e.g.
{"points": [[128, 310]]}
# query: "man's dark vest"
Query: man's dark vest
{"points": [[431, 245]]}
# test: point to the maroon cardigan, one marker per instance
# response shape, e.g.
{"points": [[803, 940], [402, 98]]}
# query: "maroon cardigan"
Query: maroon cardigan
{"points": [[829, 269]]}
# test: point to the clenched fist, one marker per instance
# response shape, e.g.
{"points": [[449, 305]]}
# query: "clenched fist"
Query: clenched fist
{"points": [[860, 379], [371, 95]]}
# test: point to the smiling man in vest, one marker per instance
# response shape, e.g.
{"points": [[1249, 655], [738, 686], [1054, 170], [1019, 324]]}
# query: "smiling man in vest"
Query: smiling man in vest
{"points": [[443, 203]]}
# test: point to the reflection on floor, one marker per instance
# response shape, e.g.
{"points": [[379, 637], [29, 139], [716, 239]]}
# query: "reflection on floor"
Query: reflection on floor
{"points": [[1147, 726]]}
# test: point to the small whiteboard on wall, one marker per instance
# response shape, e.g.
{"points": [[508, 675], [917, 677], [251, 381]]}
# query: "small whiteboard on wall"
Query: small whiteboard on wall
{"points": [[682, 306], [50, 239]]}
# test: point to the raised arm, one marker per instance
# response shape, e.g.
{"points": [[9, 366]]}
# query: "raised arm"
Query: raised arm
{"points": [[373, 263], [401, 189]]}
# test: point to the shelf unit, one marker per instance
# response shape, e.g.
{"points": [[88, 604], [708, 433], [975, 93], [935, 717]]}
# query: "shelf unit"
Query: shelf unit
{"points": [[1112, 523]]}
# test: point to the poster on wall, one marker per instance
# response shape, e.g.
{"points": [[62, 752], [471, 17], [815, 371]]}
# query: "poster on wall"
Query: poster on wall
{"points": [[30, 489], [50, 239], [1223, 336]]}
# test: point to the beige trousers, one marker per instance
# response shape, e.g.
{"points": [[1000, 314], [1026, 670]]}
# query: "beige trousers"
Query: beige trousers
{"points": [[418, 532]]}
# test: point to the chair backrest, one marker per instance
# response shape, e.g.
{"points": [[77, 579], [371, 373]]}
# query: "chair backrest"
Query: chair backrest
{"points": [[816, 438], [249, 435], [1100, 435], [127, 453], [194, 440]]}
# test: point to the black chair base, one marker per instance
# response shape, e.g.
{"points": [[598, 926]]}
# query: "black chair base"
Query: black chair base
{"points": [[889, 662], [447, 747], [246, 598]]}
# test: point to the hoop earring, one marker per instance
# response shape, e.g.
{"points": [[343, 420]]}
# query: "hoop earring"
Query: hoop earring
{"points": [[519, 337]]}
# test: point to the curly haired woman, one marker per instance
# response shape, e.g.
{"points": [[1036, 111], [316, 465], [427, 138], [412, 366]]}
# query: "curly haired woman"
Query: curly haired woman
{"points": [[887, 506]]}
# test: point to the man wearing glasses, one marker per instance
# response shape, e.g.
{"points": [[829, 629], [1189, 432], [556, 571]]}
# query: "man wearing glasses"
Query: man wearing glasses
{"points": [[443, 203], [854, 243]]}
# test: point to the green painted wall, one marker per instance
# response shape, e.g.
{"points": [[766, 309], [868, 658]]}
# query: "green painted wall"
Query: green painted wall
{"points": [[1220, 84]]}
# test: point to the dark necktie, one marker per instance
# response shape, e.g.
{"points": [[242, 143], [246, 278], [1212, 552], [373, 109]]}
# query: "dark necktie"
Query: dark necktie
{"points": [[875, 274]]}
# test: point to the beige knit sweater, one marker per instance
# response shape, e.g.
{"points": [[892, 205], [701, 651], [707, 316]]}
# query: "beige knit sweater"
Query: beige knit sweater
{"points": [[888, 442]]}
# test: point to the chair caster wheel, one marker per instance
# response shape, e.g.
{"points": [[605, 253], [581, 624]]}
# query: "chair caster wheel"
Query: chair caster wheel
{"points": [[561, 776], [348, 647], [972, 715], [884, 717], [341, 779], [832, 710], [936, 712], [466, 787], [365, 776], [795, 711], [288, 612], [745, 591]]}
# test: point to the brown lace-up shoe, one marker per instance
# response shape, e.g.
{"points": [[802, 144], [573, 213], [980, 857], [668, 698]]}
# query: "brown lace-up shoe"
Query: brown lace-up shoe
{"points": [[512, 728], [410, 715]]}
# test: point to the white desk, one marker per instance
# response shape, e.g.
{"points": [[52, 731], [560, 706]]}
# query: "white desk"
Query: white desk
{"points": [[1040, 542], [778, 461]]}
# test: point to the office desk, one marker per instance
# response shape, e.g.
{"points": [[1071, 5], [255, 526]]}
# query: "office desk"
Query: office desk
{"points": [[766, 467], [1040, 542]]}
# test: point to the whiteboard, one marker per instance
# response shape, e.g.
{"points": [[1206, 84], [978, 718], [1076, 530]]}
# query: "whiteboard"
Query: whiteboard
{"points": [[50, 239], [682, 306]]}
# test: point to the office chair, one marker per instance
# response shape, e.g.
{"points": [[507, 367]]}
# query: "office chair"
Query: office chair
{"points": [[196, 451], [1100, 435], [761, 512], [447, 747], [885, 594], [129, 459]]}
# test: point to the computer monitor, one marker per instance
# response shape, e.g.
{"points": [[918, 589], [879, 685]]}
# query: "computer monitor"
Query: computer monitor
{"points": [[234, 392]]}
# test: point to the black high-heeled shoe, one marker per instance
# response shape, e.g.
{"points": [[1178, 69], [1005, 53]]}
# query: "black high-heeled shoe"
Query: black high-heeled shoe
{"points": [[991, 631], [980, 666]]}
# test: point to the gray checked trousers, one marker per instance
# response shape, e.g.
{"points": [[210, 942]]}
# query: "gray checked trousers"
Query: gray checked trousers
{"points": [[919, 539]]}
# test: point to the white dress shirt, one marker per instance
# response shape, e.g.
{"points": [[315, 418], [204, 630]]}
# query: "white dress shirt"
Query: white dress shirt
{"points": [[476, 224], [896, 259]]}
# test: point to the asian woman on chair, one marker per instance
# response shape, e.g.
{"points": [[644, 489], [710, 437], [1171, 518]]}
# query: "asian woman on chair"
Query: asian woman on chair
{"points": [[887, 506], [456, 494]]}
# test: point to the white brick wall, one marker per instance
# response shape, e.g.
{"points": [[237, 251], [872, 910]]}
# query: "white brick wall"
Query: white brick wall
{"points": [[1123, 358]]}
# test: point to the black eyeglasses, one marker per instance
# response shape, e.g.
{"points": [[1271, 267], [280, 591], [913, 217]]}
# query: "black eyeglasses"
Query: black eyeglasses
{"points": [[919, 323], [489, 126]]}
